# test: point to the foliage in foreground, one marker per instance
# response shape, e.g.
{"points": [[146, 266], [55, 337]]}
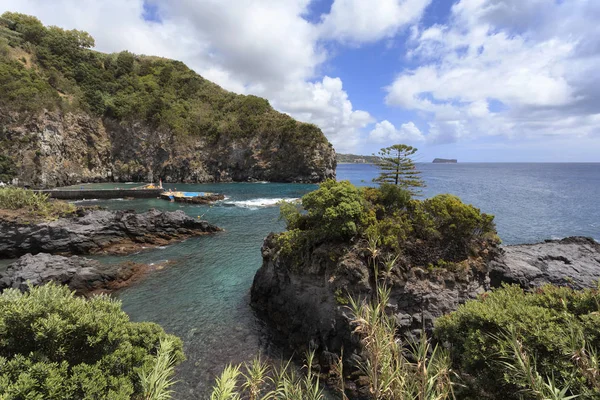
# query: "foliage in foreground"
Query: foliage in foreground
{"points": [[57, 346], [514, 344], [34, 204], [259, 380], [394, 371], [417, 371], [436, 232]]}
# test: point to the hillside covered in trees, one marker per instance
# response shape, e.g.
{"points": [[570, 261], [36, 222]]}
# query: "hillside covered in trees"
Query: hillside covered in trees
{"points": [[69, 113]]}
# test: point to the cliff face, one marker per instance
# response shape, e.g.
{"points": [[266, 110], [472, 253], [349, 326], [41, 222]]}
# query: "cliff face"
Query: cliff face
{"points": [[70, 114], [53, 148], [308, 305]]}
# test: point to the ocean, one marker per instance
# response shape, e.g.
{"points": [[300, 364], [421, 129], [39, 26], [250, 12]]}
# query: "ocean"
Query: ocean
{"points": [[203, 294]]}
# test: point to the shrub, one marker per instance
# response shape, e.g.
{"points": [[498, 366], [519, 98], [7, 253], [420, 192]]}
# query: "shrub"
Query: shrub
{"points": [[57, 346], [335, 210], [553, 330], [33, 204], [440, 231], [7, 169]]}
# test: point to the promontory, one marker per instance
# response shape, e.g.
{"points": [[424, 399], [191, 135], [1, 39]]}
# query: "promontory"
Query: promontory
{"points": [[70, 114]]}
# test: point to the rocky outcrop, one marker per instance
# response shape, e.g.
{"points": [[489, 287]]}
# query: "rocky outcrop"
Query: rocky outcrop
{"points": [[82, 275], [55, 149], [305, 302], [573, 261], [99, 231]]}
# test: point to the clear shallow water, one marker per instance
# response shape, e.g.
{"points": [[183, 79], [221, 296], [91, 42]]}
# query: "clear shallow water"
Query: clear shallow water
{"points": [[203, 294]]}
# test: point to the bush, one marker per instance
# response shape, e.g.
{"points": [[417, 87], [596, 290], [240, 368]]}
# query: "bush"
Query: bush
{"points": [[335, 210], [449, 228], [57, 346], [438, 232], [553, 330], [8, 169], [33, 204]]}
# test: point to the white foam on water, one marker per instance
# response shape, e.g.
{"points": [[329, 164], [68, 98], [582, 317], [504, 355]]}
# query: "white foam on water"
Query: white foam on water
{"points": [[260, 202], [84, 200]]}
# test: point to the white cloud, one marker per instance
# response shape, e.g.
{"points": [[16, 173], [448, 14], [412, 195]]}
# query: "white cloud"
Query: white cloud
{"points": [[506, 67], [326, 104], [358, 21], [385, 131]]}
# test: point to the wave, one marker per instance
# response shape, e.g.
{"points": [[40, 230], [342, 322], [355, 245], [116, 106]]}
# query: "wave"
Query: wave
{"points": [[84, 200], [260, 202]]}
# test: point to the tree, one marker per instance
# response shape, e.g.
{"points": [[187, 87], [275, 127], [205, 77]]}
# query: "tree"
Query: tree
{"points": [[397, 167]]}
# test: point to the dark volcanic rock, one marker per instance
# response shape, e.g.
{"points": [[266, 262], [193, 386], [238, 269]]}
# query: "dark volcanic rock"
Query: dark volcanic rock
{"points": [[53, 148], [99, 231], [82, 275], [574, 262], [304, 302]]}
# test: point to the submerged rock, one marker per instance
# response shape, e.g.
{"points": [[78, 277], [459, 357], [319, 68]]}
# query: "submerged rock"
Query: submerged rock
{"points": [[573, 262], [99, 231], [82, 275]]}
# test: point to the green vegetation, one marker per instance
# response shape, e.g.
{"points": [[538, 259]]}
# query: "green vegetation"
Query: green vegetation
{"points": [[395, 370], [527, 345], [355, 159], [57, 346], [61, 72], [397, 167], [435, 231], [32, 204], [7, 169], [259, 380]]}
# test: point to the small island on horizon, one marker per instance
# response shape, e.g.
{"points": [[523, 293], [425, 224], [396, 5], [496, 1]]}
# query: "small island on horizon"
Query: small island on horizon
{"points": [[445, 161]]}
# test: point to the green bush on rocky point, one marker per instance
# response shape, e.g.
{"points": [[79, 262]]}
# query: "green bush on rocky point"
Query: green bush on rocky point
{"points": [[423, 232]]}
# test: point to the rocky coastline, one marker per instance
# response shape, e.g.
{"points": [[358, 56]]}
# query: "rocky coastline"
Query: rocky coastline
{"points": [[98, 232], [309, 309], [48, 249], [84, 276]]}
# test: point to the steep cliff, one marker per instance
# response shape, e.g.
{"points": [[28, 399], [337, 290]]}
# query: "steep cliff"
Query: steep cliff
{"points": [[69, 114]]}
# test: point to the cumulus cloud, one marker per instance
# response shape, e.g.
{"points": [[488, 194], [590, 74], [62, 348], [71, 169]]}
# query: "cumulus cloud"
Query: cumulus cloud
{"points": [[385, 131], [262, 47], [506, 67], [359, 21]]}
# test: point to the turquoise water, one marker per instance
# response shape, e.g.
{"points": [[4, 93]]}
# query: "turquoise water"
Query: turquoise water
{"points": [[202, 295]]}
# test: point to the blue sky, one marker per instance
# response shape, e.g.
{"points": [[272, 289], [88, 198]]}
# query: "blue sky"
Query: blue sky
{"points": [[477, 80]]}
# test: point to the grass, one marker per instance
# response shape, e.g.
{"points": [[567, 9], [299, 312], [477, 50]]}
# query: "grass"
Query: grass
{"points": [[33, 204], [396, 370], [158, 381]]}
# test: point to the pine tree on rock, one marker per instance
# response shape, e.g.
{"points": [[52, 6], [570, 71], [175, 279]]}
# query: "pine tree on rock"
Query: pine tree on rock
{"points": [[398, 168]]}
